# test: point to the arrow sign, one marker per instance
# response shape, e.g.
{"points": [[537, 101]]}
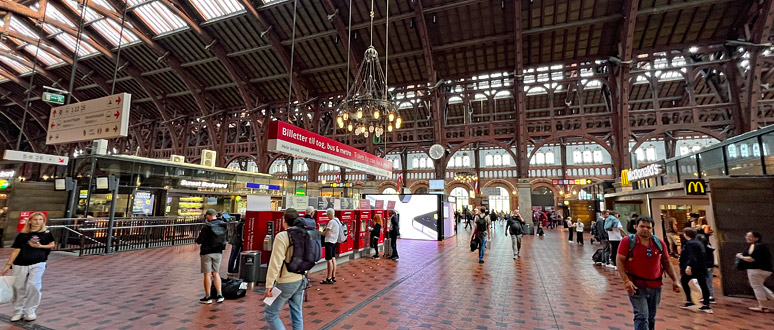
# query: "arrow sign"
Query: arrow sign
{"points": [[101, 118], [52, 125], [117, 114], [118, 100]]}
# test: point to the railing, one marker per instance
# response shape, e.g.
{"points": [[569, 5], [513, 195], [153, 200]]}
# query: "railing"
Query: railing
{"points": [[89, 236]]}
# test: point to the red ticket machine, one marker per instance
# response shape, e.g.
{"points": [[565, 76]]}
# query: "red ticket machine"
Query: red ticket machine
{"points": [[260, 229], [347, 218], [322, 222], [362, 234]]}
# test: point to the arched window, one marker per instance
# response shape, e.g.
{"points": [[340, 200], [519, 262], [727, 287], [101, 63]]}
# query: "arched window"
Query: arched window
{"points": [[430, 163], [450, 163], [575, 172], [597, 156], [650, 154], [540, 158], [458, 161], [422, 163], [684, 150], [597, 172], [396, 163], [498, 160], [389, 191], [640, 155], [587, 156], [506, 160], [744, 150], [415, 163], [550, 157], [577, 156], [466, 161], [756, 150], [462, 199], [488, 160], [732, 151], [501, 201]]}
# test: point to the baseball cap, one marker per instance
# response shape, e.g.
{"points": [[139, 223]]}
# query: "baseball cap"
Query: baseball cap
{"points": [[211, 212]]}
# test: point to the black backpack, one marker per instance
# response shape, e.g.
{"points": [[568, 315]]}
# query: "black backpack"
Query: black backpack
{"points": [[480, 224], [515, 226], [219, 232], [303, 258]]}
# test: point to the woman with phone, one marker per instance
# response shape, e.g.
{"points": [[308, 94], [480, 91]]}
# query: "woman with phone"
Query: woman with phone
{"points": [[28, 261], [375, 232]]}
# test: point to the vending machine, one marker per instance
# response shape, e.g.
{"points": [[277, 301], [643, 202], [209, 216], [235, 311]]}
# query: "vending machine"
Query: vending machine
{"points": [[260, 229], [322, 222], [362, 234], [347, 218]]}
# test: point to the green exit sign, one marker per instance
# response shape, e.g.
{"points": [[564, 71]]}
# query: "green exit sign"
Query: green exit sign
{"points": [[300, 192], [53, 98]]}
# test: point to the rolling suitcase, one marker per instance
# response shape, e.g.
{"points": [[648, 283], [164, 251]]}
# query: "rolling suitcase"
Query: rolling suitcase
{"points": [[387, 247]]}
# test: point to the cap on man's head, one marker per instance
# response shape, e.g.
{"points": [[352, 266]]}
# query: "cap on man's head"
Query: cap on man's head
{"points": [[211, 212]]}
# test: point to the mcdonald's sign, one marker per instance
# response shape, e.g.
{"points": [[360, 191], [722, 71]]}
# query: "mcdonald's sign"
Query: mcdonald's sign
{"points": [[625, 178], [695, 187]]}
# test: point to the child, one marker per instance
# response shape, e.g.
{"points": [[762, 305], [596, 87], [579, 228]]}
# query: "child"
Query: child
{"points": [[375, 232], [29, 255]]}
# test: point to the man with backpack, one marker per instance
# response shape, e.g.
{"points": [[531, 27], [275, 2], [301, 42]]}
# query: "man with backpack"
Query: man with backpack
{"points": [[643, 261], [481, 225], [515, 227], [615, 233], [291, 256], [212, 238], [330, 244]]}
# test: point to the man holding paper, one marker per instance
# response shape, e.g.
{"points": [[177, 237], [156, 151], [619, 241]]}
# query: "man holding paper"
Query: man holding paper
{"points": [[282, 285]]}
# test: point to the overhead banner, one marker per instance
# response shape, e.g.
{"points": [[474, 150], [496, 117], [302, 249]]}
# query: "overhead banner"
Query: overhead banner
{"points": [[297, 142]]}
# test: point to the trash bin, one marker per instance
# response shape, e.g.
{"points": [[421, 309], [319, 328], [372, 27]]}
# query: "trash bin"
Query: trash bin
{"points": [[529, 229], [249, 261]]}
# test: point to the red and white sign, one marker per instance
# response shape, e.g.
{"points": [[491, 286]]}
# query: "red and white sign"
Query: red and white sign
{"points": [[24, 216], [291, 140], [390, 205], [365, 204], [379, 204]]}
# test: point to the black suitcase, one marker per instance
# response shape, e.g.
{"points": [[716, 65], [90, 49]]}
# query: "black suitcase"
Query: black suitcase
{"points": [[231, 288], [600, 256]]}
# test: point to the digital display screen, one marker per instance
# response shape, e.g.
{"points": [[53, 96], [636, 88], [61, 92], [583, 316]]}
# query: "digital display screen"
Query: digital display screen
{"points": [[418, 214]]}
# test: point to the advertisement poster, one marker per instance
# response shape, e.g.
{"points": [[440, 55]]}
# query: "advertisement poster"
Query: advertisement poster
{"points": [[365, 204], [24, 216], [448, 220], [347, 204], [143, 202], [390, 205], [379, 205], [418, 214]]}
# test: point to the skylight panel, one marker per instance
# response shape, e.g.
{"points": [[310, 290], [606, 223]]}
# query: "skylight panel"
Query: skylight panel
{"points": [[4, 47], [16, 65], [69, 42], [91, 15], [47, 58], [158, 16], [212, 9], [18, 26], [53, 13], [111, 31]]}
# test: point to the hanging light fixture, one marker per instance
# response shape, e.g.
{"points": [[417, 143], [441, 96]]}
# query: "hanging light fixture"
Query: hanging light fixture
{"points": [[368, 104]]}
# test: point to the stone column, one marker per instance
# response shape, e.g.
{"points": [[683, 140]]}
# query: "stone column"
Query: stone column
{"points": [[524, 189]]}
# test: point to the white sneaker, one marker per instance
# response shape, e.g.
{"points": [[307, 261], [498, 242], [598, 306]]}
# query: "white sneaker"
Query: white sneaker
{"points": [[17, 317], [30, 317]]}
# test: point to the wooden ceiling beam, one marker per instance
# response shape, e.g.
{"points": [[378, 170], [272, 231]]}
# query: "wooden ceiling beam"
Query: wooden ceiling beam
{"points": [[427, 46], [297, 82], [343, 34]]}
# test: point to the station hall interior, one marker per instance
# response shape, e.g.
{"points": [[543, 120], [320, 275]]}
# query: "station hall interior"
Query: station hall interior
{"points": [[135, 128]]}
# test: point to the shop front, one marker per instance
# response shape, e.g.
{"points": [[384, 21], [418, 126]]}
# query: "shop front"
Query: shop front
{"points": [[152, 187]]}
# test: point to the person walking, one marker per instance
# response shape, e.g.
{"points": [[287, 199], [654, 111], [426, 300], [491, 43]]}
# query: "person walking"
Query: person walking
{"points": [[236, 247], [709, 263], [642, 266], [579, 231], [615, 233], [756, 260], [291, 285], [515, 227], [212, 238], [394, 233], [28, 260], [692, 267], [374, 235], [631, 226], [670, 223], [570, 228], [481, 224], [330, 244]]}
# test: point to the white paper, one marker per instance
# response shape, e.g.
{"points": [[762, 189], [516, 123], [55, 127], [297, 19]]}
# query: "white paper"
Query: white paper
{"points": [[275, 292]]}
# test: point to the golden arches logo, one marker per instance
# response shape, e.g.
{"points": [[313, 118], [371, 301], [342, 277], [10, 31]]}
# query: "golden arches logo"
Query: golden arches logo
{"points": [[695, 187], [625, 177]]}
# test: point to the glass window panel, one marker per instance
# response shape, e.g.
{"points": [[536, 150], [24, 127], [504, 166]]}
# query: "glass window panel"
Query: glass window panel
{"points": [[459, 161], [640, 155], [158, 17], [498, 160], [651, 154], [43, 55], [506, 160], [745, 163], [768, 152], [711, 163], [577, 157], [415, 163], [587, 156], [422, 163], [91, 15], [540, 158], [69, 42], [671, 170], [597, 156], [550, 158], [465, 161], [687, 167], [211, 9], [16, 65], [488, 160], [111, 31]]}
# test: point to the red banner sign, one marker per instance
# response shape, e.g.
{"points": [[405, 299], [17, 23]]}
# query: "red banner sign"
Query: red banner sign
{"points": [[291, 140], [365, 204], [24, 216]]}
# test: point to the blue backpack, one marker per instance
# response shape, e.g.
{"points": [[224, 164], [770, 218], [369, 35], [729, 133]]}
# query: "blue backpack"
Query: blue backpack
{"points": [[632, 242]]}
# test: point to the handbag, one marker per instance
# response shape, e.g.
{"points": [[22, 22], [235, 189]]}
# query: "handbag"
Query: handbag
{"points": [[474, 243], [6, 289]]}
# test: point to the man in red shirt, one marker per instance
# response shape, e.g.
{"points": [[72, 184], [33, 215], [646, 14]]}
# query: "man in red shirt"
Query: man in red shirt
{"points": [[641, 273]]}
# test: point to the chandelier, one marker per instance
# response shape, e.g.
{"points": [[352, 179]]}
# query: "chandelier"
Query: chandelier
{"points": [[465, 177], [368, 107]]}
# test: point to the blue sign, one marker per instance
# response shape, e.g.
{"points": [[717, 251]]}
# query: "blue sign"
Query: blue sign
{"points": [[262, 186]]}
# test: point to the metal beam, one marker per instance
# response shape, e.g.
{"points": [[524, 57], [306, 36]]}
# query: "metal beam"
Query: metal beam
{"points": [[760, 34], [626, 54], [522, 136]]}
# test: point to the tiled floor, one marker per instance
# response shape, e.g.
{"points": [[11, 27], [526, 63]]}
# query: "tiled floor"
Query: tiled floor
{"points": [[433, 285]]}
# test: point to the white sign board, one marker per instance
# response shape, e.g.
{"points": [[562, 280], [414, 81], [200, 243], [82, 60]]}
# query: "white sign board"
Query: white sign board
{"points": [[103, 118], [32, 157], [258, 203], [490, 191]]}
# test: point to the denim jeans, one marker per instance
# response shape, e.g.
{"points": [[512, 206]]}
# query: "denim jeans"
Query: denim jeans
{"points": [[233, 260], [482, 247], [293, 293], [645, 303]]}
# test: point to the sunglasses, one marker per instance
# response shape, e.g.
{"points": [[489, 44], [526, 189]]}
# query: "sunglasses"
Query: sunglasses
{"points": [[650, 252]]}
